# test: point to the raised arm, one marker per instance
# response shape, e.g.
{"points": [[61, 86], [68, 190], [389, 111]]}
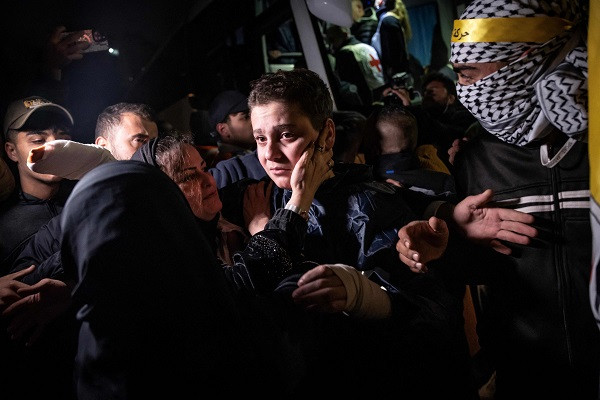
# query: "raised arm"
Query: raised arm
{"points": [[474, 217]]}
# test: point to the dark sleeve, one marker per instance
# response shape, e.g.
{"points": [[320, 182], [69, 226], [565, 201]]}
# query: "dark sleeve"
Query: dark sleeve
{"points": [[271, 256], [43, 250], [236, 168]]}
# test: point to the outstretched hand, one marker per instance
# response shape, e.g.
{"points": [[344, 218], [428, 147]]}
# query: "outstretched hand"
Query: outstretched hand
{"points": [[40, 304], [489, 225], [420, 242], [10, 285]]}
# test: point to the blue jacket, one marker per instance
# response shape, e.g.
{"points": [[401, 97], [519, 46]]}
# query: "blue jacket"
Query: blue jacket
{"points": [[355, 220]]}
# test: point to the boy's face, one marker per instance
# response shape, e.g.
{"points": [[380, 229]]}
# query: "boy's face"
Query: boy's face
{"points": [[282, 133], [18, 150]]}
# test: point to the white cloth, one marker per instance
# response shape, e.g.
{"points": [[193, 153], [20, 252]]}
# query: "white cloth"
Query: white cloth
{"points": [[68, 159], [365, 299], [369, 63]]}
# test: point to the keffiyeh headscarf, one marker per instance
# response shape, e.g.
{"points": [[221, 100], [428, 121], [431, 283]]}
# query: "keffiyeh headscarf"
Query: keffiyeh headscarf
{"points": [[544, 84]]}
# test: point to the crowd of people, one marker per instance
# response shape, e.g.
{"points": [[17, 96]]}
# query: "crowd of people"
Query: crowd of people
{"points": [[312, 247]]}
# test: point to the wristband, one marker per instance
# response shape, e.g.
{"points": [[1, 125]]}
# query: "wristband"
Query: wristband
{"points": [[297, 210]]}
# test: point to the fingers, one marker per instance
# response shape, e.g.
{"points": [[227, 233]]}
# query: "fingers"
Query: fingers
{"points": [[27, 290], [410, 257], [19, 274], [507, 214], [414, 265], [512, 237], [394, 182], [320, 289], [500, 248], [519, 228], [438, 225], [317, 272]]}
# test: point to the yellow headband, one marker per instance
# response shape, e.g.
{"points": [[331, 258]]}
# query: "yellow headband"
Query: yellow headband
{"points": [[528, 29]]}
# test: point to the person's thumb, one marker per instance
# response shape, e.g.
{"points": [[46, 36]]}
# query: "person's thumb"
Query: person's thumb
{"points": [[483, 198], [438, 225]]}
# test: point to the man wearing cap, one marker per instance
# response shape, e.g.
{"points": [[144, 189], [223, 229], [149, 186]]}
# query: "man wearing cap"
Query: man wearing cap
{"points": [[29, 123], [522, 69], [230, 119]]}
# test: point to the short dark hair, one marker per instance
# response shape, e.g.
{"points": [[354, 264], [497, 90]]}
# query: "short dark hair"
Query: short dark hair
{"points": [[111, 116], [301, 87], [401, 117], [448, 83], [11, 134]]}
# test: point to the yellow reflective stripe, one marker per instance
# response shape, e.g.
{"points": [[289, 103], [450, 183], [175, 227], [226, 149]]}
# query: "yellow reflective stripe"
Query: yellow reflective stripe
{"points": [[594, 102], [534, 29]]}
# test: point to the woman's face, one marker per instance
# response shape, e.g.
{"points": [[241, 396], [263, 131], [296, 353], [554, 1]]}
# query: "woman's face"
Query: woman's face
{"points": [[198, 185]]}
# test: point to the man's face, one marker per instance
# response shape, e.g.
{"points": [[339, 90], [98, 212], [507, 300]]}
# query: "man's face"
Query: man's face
{"points": [[437, 94], [129, 136], [282, 133], [18, 150], [198, 185], [239, 130], [469, 73]]}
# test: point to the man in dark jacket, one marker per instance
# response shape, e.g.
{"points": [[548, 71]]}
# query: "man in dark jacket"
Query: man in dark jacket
{"points": [[29, 123], [529, 92]]}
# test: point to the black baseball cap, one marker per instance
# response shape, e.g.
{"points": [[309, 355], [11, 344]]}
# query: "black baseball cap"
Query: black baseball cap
{"points": [[19, 111], [226, 102]]}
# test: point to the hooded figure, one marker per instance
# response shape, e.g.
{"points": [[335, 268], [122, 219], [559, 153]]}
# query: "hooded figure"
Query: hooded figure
{"points": [[158, 317]]}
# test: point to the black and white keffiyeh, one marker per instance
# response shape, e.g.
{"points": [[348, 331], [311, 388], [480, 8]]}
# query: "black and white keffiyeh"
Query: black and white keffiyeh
{"points": [[547, 87]]}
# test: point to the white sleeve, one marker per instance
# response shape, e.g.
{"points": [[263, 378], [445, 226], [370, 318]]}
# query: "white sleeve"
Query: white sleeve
{"points": [[365, 299], [67, 159]]}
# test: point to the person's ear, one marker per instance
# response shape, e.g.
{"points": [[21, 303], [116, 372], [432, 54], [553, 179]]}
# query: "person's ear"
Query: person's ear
{"points": [[451, 99], [101, 141], [11, 151], [329, 134], [223, 130]]}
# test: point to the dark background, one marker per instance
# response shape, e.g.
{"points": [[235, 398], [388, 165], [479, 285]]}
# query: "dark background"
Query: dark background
{"points": [[167, 50]]}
